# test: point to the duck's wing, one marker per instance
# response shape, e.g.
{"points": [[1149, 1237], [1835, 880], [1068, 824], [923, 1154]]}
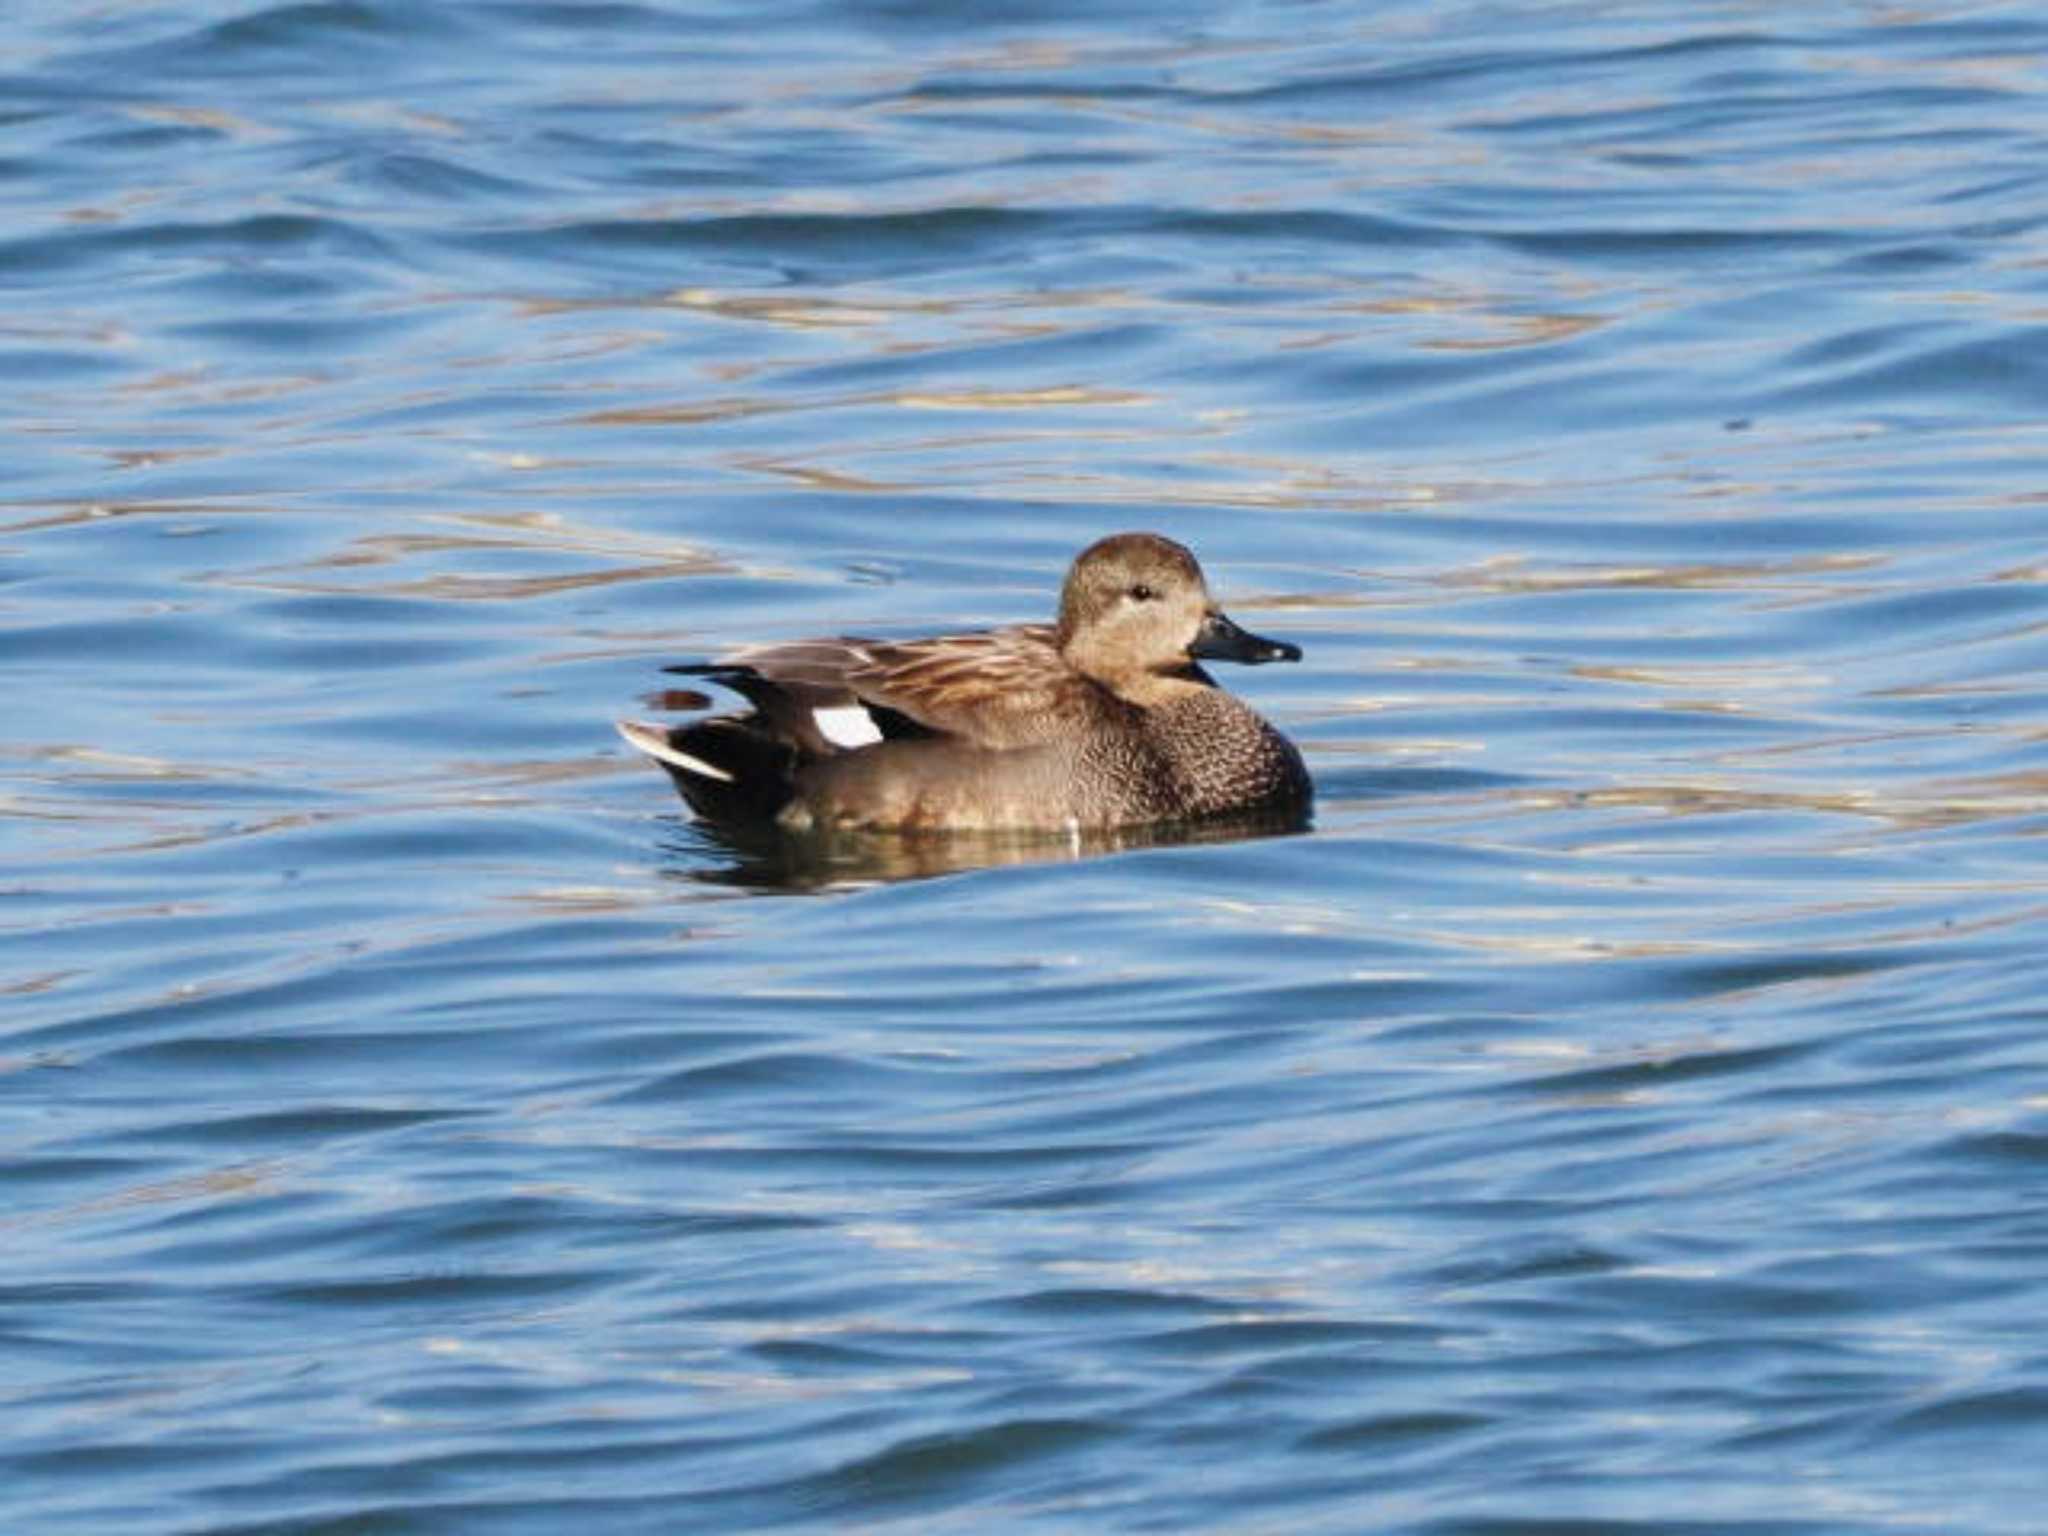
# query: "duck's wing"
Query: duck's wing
{"points": [[995, 688]]}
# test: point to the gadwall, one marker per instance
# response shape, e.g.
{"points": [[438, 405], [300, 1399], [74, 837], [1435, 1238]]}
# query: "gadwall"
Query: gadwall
{"points": [[1103, 720]]}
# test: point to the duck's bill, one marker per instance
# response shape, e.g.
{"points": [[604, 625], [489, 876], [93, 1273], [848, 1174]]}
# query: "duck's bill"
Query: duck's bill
{"points": [[1220, 640]]}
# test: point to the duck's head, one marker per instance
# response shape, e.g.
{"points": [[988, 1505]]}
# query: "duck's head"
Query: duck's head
{"points": [[1135, 605]]}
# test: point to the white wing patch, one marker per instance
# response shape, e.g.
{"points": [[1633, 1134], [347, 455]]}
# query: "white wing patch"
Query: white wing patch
{"points": [[847, 725]]}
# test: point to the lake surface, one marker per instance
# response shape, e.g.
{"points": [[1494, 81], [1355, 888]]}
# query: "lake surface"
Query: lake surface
{"points": [[1623, 1113]]}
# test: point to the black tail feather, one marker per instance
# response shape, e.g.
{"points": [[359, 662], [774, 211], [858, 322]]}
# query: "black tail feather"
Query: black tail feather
{"points": [[747, 773]]}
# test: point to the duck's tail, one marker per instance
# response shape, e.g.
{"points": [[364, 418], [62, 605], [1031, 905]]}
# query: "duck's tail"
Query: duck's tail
{"points": [[728, 768]]}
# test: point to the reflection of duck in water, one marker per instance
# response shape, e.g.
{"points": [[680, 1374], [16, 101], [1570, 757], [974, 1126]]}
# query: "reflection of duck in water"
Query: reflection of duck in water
{"points": [[762, 856], [1104, 720]]}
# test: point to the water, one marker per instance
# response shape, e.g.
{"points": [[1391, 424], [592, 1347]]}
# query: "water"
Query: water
{"points": [[1626, 1111]]}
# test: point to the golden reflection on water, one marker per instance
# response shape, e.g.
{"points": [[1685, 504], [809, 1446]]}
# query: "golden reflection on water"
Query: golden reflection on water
{"points": [[76, 514], [1513, 573], [876, 322], [1016, 399], [1919, 807], [549, 533], [1521, 330], [738, 408], [817, 477], [241, 1181]]}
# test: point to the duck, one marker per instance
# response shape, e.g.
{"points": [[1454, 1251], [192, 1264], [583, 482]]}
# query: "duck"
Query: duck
{"points": [[1104, 719]]}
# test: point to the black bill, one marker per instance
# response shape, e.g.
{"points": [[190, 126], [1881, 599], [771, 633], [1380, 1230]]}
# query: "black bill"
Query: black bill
{"points": [[1220, 640]]}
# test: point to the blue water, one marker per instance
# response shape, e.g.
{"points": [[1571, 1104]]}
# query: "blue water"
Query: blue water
{"points": [[1624, 1113]]}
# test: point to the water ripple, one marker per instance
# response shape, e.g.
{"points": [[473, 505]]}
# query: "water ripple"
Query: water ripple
{"points": [[1620, 1110]]}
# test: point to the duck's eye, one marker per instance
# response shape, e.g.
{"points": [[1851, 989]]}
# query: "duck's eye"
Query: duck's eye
{"points": [[1142, 593]]}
